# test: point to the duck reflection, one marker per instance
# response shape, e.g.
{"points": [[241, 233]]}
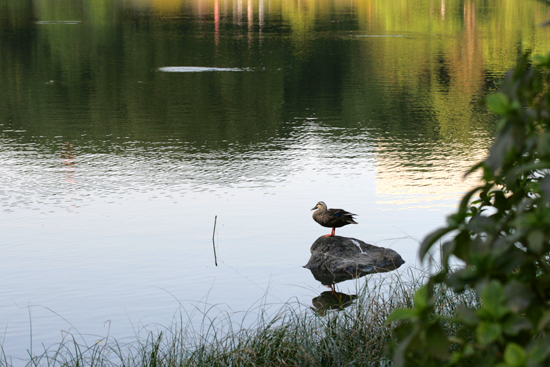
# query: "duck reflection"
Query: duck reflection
{"points": [[331, 300]]}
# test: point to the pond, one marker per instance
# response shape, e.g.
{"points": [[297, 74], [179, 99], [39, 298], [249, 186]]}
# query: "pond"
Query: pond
{"points": [[134, 132]]}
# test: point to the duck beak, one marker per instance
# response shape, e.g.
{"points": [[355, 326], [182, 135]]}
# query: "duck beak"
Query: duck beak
{"points": [[313, 208]]}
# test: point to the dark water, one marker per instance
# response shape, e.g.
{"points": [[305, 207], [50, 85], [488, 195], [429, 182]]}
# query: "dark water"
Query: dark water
{"points": [[127, 126]]}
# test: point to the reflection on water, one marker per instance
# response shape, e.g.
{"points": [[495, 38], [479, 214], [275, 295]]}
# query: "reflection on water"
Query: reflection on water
{"points": [[330, 300], [59, 22], [417, 174], [196, 69], [113, 171], [410, 174]]}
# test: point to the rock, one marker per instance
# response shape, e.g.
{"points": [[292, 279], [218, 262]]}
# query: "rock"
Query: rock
{"points": [[335, 259]]}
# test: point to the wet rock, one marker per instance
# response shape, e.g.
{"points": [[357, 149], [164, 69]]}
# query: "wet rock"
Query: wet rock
{"points": [[335, 259]]}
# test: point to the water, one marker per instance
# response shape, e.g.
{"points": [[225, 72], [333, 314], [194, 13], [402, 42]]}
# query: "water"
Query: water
{"points": [[126, 127]]}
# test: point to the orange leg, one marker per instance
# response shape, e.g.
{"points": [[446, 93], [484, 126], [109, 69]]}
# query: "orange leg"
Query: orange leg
{"points": [[331, 233]]}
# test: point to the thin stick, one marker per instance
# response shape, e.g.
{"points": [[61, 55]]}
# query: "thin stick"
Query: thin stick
{"points": [[30, 324], [214, 243]]}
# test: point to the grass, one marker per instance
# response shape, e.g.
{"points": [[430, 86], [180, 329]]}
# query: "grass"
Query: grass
{"points": [[296, 335]]}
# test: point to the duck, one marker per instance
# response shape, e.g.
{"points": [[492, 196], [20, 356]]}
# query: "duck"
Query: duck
{"points": [[332, 218]]}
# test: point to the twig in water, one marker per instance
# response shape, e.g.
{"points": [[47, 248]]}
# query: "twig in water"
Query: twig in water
{"points": [[214, 243]]}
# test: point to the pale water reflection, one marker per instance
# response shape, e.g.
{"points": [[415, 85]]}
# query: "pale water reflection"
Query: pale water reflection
{"points": [[433, 178], [113, 171], [59, 22], [196, 69]]}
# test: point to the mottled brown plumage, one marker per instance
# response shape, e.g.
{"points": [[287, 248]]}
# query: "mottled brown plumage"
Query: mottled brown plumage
{"points": [[332, 218]]}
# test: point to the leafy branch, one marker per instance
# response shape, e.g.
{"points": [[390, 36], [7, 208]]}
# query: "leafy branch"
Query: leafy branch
{"points": [[501, 236]]}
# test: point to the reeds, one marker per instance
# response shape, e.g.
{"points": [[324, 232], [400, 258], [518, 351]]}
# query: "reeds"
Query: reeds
{"points": [[293, 335]]}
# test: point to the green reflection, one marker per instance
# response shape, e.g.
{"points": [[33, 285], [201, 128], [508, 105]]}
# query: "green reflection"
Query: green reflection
{"points": [[90, 68]]}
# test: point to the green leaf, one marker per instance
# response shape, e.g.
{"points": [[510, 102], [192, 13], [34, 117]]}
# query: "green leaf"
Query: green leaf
{"points": [[465, 202], [513, 324], [503, 145], [539, 349], [518, 296], [467, 315], [492, 296], [545, 187], [421, 297], [514, 355], [527, 168], [544, 321], [499, 103], [475, 168], [469, 350], [481, 224], [455, 359], [446, 251], [462, 278], [543, 143], [463, 248], [500, 201], [437, 341], [488, 332], [536, 241], [431, 239], [402, 313]]}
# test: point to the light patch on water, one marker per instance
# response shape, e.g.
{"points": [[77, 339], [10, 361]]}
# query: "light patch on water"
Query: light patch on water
{"points": [[380, 35], [434, 181], [197, 69], [59, 22]]}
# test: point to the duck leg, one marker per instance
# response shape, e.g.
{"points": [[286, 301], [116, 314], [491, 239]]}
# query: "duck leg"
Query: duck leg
{"points": [[331, 233]]}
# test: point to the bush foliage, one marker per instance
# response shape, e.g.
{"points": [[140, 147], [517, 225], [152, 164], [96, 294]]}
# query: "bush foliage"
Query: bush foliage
{"points": [[501, 236]]}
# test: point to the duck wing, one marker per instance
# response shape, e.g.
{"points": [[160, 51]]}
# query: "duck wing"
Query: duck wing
{"points": [[341, 215]]}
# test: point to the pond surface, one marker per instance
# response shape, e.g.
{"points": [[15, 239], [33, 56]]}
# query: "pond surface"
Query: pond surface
{"points": [[128, 127]]}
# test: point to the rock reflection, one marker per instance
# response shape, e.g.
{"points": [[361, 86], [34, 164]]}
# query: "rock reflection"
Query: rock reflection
{"points": [[331, 301]]}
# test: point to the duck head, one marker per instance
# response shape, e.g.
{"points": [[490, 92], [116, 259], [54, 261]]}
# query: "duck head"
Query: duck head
{"points": [[320, 205]]}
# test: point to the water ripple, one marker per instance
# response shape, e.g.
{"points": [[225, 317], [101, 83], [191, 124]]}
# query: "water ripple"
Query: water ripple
{"points": [[72, 175]]}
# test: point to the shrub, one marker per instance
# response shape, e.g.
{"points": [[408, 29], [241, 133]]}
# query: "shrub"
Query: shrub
{"points": [[501, 235]]}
